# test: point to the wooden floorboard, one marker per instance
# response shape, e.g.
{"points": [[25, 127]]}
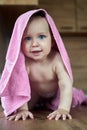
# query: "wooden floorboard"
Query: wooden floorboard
{"points": [[79, 121]]}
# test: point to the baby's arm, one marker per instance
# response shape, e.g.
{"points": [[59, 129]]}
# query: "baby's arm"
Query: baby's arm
{"points": [[65, 86], [22, 113]]}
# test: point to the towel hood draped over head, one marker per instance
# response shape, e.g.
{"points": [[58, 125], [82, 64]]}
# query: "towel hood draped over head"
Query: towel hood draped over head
{"points": [[14, 85]]}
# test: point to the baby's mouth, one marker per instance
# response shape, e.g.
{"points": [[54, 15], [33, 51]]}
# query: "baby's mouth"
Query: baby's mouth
{"points": [[36, 52]]}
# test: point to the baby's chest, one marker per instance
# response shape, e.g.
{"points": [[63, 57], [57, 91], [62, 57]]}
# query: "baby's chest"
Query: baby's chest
{"points": [[42, 74]]}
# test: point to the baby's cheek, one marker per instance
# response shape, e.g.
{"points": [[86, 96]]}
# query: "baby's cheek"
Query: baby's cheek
{"points": [[24, 48]]}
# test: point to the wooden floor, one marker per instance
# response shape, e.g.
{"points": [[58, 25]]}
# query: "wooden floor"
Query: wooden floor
{"points": [[79, 121]]}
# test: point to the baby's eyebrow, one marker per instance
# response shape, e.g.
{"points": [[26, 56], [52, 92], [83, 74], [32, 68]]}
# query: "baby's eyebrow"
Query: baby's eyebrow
{"points": [[27, 35], [42, 33]]}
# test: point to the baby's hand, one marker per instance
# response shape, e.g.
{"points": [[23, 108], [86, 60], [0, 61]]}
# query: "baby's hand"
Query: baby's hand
{"points": [[21, 114], [60, 113]]}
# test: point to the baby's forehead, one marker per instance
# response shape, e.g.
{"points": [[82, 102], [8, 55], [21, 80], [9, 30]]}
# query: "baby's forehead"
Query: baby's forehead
{"points": [[37, 25], [38, 21]]}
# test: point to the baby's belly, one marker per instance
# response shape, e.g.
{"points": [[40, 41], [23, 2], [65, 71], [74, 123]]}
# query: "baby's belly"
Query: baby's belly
{"points": [[47, 89]]}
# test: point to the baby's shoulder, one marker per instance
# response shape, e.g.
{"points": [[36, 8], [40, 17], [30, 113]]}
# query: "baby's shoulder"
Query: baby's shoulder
{"points": [[58, 62]]}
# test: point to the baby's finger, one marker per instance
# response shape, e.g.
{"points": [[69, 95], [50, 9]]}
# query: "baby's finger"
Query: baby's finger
{"points": [[11, 118], [64, 117], [30, 115], [51, 116], [69, 116], [18, 117], [57, 117], [24, 117]]}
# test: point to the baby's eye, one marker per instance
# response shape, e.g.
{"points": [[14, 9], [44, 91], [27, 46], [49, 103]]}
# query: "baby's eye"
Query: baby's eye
{"points": [[27, 38], [42, 36]]}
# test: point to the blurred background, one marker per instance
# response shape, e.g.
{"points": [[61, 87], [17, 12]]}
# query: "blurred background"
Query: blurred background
{"points": [[70, 17]]}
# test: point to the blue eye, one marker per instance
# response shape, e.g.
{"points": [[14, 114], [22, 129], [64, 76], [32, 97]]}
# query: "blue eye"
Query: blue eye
{"points": [[42, 36], [27, 38]]}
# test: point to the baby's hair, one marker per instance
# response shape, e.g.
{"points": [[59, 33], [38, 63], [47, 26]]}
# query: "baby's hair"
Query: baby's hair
{"points": [[37, 14]]}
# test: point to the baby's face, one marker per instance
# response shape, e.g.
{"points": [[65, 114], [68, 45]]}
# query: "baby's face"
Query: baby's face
{"points": [[36, 42]]}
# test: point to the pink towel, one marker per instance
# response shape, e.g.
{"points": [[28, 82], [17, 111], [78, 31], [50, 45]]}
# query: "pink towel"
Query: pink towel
{"points": [[14, 85]]}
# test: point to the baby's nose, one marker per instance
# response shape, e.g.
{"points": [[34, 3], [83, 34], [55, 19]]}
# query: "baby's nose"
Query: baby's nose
{"points": [[35, 43]]}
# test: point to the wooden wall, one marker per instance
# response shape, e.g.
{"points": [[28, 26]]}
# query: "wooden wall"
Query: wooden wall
{"points": [[77, 50], [18, 2], [70, 15]]}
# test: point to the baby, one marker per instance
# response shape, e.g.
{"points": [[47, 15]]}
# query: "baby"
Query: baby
{"points": [[45, 69], [47, 73]]}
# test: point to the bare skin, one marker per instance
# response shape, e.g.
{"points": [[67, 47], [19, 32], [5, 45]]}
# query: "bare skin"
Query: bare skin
{"points": [[46, 72]]}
